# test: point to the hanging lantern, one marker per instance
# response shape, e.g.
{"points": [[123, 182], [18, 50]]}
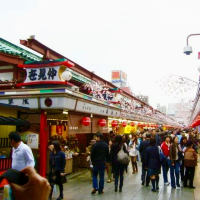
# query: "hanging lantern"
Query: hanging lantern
{"points": [[102, 122], [124, 123], [132, 124], [139, 125], [85, 121], [114, 123]]}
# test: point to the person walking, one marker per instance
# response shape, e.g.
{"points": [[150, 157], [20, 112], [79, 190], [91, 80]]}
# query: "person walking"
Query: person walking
{"points": [[190, 162], [108, 164], [117, 166], [22, 155], [165, 166], [57, 169], [174, 163], [133, 153], [88, 159], [143, 146], [99, 156], [182, 147], [153, 164]]}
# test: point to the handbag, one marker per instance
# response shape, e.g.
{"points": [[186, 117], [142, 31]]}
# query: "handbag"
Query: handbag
{"points": [[123, 157], [163, 158]]}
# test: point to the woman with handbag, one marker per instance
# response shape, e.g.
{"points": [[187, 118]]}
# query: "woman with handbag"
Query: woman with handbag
{"points": [[118, 167], [174, 162], [57, 166], [190, 162], [133, 153], [153, 164]]}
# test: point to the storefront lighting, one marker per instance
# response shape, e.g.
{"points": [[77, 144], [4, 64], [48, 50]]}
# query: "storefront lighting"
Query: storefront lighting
{"points": [[91, 115], [66, 75], [65, 112]]}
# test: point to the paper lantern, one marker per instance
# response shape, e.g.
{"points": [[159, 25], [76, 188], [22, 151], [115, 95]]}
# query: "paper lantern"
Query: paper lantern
{"points": [[66, 75], [85, 121], [114, 123], [124, 123], [102, 122], [132, 124]]}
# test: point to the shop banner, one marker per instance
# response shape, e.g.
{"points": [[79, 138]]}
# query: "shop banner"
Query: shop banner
{"points": [[75, 126], [96, 109], [31, 103], [58, 103]]}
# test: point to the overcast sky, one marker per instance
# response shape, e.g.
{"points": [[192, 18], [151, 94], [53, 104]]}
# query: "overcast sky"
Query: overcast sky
{"points": [[143, 38]]}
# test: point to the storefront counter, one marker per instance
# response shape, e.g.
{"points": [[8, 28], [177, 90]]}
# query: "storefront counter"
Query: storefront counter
{"points": [[83, 160], [69, 165]]}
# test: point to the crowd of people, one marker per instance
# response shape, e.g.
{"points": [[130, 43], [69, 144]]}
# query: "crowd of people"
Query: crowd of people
{"points": [[173, 152]]}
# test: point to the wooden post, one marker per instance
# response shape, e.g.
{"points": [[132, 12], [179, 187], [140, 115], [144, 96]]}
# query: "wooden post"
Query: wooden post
{"points": [[43, 143]]}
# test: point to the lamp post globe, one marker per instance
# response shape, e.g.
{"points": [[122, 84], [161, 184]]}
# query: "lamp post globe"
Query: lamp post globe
{"points": [[66, 75]]}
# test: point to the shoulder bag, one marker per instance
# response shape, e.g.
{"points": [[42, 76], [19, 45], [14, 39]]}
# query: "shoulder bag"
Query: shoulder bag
{"points": [[123, 157]]}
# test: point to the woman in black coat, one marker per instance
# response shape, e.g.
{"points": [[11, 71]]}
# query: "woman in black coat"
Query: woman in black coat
{"points": [[153, 163], [57, 168], [118, 168]]}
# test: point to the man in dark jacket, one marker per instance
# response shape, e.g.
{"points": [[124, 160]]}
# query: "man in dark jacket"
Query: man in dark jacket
{"points": [[99, 156], [143, 147]]}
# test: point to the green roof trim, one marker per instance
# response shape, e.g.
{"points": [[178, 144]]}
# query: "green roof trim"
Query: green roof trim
{"points": [[78, 77], [9, 48]]}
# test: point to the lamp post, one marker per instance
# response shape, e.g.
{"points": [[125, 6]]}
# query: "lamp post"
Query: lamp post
{"points": [[188, 49]]}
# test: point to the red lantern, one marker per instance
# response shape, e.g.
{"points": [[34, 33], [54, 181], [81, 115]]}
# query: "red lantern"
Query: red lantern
{"points": [[102, 122], [114, 123], [132, 124], [85, 121], [124, 123], [139, 125]]}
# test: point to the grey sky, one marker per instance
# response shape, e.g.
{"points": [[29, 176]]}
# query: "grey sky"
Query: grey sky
{"points": [[145, 38]]}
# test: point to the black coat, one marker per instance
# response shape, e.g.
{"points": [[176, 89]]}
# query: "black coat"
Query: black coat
{"points": [[152, 158], [143, 147], [99, 153]]}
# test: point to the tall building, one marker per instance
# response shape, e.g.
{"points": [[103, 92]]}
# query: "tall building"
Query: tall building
{"points": [[162, 109], [119, 78], [143, 98], [179, 112]]}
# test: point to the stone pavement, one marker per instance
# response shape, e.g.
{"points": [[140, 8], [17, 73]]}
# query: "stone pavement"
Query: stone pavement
{"points": [[80, 187]]}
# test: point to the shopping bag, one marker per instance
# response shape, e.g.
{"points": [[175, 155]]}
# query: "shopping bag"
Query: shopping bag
{"points": [[7, 193], [54, 190]]}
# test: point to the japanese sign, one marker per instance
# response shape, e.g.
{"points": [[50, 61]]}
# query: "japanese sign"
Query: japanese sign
{"points": [[33, 140], [42, 74], [31, 103], [45, 72]]}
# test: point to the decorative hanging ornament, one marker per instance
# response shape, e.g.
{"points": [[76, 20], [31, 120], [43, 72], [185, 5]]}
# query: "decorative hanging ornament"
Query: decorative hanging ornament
{"points": [[132, 124], [86, 121], [114, 123], [102, 122], [124, 123]]}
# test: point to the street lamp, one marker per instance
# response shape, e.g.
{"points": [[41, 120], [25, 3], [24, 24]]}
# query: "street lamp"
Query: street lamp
{"points": [[188, 49]]}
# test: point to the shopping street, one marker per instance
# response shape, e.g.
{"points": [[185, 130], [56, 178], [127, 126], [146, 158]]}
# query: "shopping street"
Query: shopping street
{"points": [[80, 187]]}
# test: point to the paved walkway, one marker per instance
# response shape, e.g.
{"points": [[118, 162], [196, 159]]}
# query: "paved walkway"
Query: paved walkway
{"points": [[80, 187]]}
